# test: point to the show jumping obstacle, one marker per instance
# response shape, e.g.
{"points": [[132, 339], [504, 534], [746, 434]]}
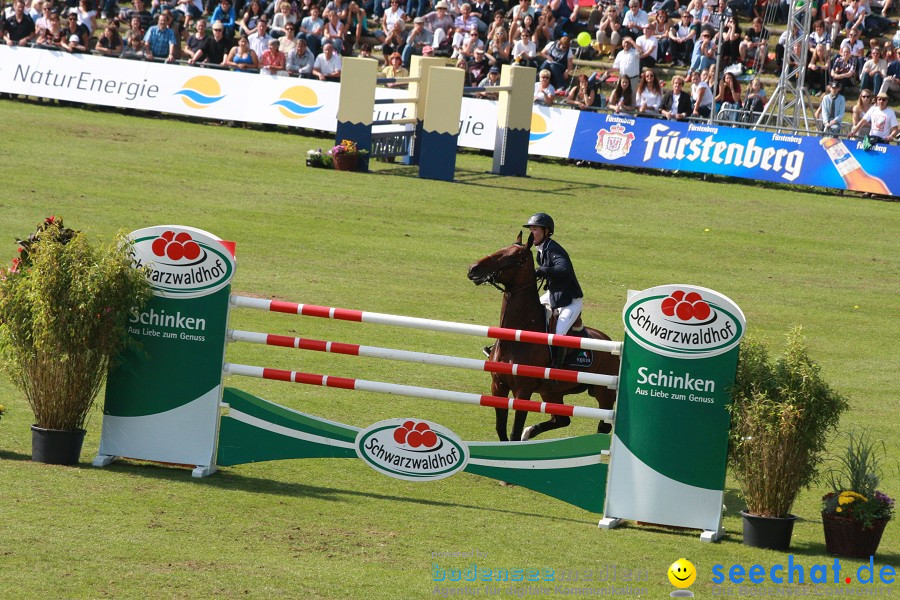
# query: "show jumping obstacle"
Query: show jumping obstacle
{"points": [[435, 92], [167, 404]]}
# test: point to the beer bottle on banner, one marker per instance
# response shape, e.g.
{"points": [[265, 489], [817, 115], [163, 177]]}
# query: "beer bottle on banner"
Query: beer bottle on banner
{"points": [[849, 168]]}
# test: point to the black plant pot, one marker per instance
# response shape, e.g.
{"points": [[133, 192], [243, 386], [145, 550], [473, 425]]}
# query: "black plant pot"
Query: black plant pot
{"points": [[773, 533], [55, 446]]}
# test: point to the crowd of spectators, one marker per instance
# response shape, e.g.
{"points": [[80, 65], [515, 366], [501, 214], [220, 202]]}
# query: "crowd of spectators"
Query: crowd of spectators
{"points": [[717, 47]]}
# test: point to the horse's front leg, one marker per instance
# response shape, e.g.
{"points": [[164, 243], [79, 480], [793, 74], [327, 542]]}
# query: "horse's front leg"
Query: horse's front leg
{"points": [[519, 424], [501, 415]]}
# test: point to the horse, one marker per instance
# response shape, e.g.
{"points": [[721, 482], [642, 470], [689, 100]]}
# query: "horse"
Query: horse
{"points": [[511, 269]]}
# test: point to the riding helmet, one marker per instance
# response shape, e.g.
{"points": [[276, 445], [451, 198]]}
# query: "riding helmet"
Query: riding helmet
{"points": [[541, 220]]}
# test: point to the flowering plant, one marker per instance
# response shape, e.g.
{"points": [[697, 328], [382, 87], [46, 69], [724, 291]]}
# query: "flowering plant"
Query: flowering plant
{"points": [[854, 505], [347, 147], [2, 410], [315, 158]]}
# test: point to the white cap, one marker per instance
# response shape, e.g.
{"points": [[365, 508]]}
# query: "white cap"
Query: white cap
{"points": [[74, 38]]}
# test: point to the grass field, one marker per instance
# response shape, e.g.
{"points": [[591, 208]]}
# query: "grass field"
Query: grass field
{"points": [[388, 242]]}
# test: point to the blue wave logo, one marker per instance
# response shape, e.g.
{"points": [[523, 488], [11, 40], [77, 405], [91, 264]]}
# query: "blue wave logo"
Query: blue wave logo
{"points": [[539, 128], [297, 102], [200, 92]]}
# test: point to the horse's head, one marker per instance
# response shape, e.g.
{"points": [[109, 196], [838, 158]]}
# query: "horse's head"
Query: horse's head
{"points": [[505, 266]]}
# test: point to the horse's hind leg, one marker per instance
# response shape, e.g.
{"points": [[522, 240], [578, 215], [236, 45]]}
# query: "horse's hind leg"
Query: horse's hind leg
{"points": [[518, 424], [606, 399], [501, 415]]}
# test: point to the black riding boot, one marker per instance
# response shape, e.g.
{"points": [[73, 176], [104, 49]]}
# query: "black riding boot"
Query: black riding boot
{"points": [[558, 360]]}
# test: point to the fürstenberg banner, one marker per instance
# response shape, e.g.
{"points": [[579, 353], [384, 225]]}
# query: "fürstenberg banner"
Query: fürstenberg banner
{"points": [[563, 133]]}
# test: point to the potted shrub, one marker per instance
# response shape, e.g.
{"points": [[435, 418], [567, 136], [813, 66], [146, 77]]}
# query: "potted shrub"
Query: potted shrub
{"points": [[781, 415], [64, 311], [346, 156], [855, 512]]}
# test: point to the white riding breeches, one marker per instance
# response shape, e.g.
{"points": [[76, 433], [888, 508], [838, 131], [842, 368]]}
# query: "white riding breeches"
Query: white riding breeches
{"points": [[567, 314]]}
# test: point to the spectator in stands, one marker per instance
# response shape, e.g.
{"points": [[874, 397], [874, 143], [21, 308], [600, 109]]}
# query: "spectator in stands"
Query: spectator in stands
{"points": [[681, 39], [52, 35], [844, 68], [224, 13], [135, 31], [519, 11], [417, 39], [300, 60], [73, 27], [417, 8], [251, 18], [729, 97], [661, 28], [43, 21], [627, 63], [819, 36], [831, 13], [18, 29], [558, 60], [817, 70], [704, 54], [478, 66], [754, 43], [635, 20], [698, 10], [582, 95], [281, 19], [86, 15], [862, 106], [622, 97], [259, 39], [609, 32], [647, 45], [881, 120], [499, 22], [830, 113], [334, 31], [328, 64], [110, 42], [467, 44], [395, 40], [134, 49], [676, 104], [648, 94], [701, 96], [892, 77], [754, 101], [197, 47], [137, 10], [492, 80], [312, 28], [544, 91], [857, 48], [562, 13], [525, 50], [288, 41], [392, 15], [242, 57], [395, 69], [192, 10], [465, 22], [219, 45], [873, 72], [440, 24], [273, 60], [498, 49], [543, 26], [160, 40]]}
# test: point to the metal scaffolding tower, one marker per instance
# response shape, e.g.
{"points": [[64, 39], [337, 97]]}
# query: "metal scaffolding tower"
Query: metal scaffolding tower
{"points": [[787, 107]]}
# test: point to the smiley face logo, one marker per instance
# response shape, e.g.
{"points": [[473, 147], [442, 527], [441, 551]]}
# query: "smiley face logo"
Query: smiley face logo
{"points": [[682, 573]]}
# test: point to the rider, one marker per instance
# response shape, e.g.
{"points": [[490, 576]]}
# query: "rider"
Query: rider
{"points": [[554, 265]]}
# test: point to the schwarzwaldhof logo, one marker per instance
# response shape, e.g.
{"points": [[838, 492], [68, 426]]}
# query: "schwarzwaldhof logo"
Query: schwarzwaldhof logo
{"points": [[684, 321], [411, 450]]}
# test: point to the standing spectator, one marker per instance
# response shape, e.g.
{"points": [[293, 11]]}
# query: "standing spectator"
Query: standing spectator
{"points": [[701, 96], [558, 60], [627, 63], [110, 42], [635, 20], [219, 45], [647, 46], [312, 28], [242, 57], [300, 60], [273, 60], [831, 111], [543, 89], [224, 13], [328, 64], [160, 40], [676, 104], [417, 39], [882, 122], [197, 47], [19, 30], [873, 72], [259, 39]]}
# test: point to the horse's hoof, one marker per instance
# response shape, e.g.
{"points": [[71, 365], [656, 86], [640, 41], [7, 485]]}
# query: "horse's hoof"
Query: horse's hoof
{"points": [[526, 435], [604, 428]]}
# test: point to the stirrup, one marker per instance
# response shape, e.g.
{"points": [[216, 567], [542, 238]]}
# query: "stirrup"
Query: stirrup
{"points": [[487, 350]]}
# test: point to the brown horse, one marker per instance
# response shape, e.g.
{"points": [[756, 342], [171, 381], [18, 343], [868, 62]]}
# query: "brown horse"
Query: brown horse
{"points": [[511, 269]]}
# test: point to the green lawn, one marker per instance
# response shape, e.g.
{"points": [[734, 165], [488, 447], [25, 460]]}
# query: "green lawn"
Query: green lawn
{"points": [[388, 242]]}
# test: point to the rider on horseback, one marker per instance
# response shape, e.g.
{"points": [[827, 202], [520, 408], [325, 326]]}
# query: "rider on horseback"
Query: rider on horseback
{"points": [[554, 265]]}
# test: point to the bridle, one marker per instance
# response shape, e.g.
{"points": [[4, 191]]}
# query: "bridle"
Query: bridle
{"points": [[491, 277]]}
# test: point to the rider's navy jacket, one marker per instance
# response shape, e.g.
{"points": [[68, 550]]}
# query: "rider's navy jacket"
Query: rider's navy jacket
{"points": [[554, 264]]}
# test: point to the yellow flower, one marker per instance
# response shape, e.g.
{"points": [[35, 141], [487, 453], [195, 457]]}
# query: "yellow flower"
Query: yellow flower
{"points": [[839, 509]]}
